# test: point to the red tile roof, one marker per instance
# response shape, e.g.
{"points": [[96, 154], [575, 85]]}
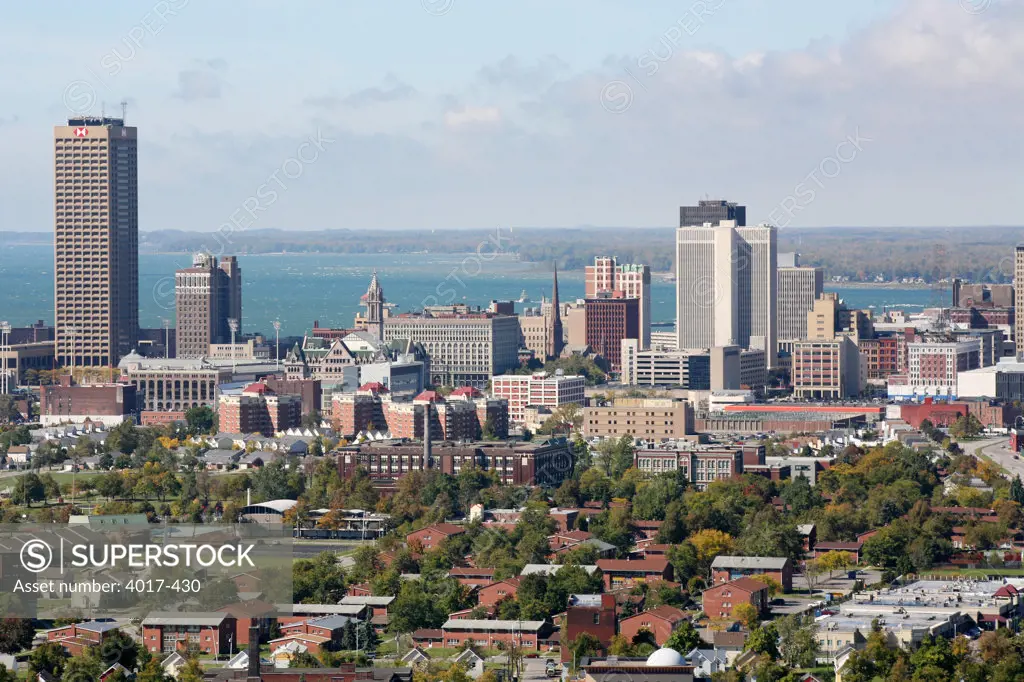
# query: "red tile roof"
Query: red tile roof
{"points": [[374, 386], [257, 387], [656, 564], [663, 612], [444, 529], [430, 396], [745, 584], [467, 391]]}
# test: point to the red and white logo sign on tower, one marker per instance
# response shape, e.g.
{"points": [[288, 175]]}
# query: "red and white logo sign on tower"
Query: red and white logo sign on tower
{"points": [[81, 132]]}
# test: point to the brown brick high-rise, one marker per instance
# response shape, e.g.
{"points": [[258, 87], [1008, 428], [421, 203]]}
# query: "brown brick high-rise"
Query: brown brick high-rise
{"points": [[96, 241]]}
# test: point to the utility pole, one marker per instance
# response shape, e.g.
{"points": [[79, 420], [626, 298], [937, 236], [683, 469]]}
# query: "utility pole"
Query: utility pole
{"points": [[277, 348]]}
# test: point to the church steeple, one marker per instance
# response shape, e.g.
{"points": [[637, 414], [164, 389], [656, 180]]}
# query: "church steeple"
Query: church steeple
{"points": [[375, 308], [554, 340]]}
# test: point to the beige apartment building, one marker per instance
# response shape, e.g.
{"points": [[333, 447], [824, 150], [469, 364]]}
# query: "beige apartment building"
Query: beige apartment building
{"points": [[96, 241], [647, 418]]}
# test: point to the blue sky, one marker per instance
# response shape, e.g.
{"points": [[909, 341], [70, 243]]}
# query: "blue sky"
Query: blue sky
{"points": [[451, 113]]}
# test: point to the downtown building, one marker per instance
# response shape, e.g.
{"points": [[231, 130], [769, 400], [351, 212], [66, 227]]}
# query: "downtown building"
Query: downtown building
{"points": [[608, 278], [1018, 295], [540, 389], [701, 369], [465, 348], [465, 414], [726, 285], [258, 409], [540, 462], [208, 300], [799, 286], [540, 331], [171, 385], [609, 322], [934, 364], [96, 241]]}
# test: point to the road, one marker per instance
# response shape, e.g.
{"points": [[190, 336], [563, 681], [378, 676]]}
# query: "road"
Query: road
{"points": [[535, 670], [998, 451], [307, 549]]}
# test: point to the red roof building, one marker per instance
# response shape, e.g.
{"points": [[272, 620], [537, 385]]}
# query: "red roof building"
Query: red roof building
{"points": [[720, 600], [660, 621], [431, 537], [620, 573]]}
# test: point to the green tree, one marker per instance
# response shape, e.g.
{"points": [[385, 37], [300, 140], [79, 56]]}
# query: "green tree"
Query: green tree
{"points": [[200, 420], [798, 641], [28, 488], [48, 657], [684, 638]]}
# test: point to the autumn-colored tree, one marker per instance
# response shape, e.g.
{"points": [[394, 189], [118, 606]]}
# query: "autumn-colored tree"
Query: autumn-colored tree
{"points": [[709, 543], [747, 614]]}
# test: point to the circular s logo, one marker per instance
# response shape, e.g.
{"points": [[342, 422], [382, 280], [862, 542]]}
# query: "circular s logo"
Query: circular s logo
{"points": [[36, 556]]}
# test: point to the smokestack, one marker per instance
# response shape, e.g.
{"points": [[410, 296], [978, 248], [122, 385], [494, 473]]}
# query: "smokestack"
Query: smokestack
{"points": [[254, 654], [426, 436]]}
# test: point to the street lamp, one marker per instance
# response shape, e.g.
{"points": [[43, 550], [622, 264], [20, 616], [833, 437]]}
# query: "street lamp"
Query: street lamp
{"points": [[277, 351], [5, 348], [233, 325]]}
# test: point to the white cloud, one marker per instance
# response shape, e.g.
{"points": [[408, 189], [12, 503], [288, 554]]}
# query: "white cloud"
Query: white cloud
{"points": [[471, 116]]}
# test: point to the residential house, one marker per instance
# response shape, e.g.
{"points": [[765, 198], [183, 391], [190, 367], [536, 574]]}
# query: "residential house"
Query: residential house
{"points": [[660, 621], [720, 600], [726, 568], [490, 595], [619, 573], [431, 537]]}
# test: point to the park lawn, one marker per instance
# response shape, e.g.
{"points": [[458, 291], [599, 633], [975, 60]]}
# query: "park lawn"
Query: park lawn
{"points": [[442, 652]]}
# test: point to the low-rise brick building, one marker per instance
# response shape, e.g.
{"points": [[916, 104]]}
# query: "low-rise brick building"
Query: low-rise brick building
{"points": [[547, 462], [67, 403], [594, 614], [720, 600], [727, 568], [490, 595], [629, 572], [166, 633], [431, 537], [660, 621], [527, 634], [77, 637]]}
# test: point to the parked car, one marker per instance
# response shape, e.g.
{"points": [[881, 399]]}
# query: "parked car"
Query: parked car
{"points": [[551, 668]]}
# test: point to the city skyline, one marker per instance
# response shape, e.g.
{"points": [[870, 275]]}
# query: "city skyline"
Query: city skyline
{"points": [[483, 123]]}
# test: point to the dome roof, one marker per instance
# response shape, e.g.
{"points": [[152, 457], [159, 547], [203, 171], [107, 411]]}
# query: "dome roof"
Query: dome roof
{"points": [[665, 657]]}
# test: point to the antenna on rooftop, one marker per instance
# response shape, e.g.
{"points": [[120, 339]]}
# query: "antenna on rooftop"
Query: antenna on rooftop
{"points": [[103, 109], [124, 111]]}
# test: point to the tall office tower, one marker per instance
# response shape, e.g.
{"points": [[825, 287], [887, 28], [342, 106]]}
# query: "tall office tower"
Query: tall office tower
{"points": [[374, 301], [712, 211], [726, 286], [231, 293], [608, 278], [799, 287], [555, 339], [96, 241], [206, 297], [1018, 297]]}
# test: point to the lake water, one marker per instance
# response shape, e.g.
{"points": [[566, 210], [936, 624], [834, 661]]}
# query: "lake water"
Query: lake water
{"points": [[300, 288]]}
